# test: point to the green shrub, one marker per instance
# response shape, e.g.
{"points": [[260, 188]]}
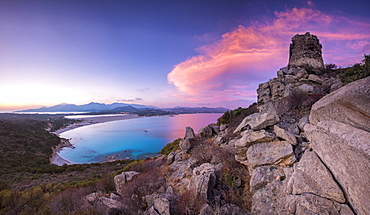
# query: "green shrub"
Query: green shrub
{"points": [[355, 72], [173, 146]]}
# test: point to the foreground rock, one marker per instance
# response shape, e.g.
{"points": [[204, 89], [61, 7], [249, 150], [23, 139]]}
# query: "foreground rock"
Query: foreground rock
{"points": [[311, 176], [350, 105], [345, 150]]}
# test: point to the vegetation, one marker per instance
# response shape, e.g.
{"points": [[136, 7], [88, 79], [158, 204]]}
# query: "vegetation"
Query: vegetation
{"points": [[355, 72], [234, 117], [173, 146]]}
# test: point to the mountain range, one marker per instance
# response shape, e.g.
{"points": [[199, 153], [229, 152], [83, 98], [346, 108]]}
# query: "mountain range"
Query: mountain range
{"points": [[122, 107]]}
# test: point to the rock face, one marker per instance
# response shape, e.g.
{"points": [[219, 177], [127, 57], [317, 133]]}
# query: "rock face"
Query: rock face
{"points": [[311, 176], [305, 50], [345, 150], [350, 105], [340, 136]]}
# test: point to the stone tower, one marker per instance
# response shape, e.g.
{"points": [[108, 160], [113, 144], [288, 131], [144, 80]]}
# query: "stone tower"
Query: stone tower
{"points": [[305, 50]]}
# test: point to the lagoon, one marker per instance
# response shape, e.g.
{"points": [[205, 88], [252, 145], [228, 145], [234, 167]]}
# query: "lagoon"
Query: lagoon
{"points": [[131, 138]]}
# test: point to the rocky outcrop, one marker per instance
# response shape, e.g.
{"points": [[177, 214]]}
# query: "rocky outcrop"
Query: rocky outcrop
{"points": [[121, 179], [350, 105], [339, 134], [258, 121], [311, 176], [345, 150], [203, 180], [305, 50]]}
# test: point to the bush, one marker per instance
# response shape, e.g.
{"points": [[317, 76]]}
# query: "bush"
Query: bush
{"points": [[234, 117], [355, 72], [190, 203], [173, 146]]}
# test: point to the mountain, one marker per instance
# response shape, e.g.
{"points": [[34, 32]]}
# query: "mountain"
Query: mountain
{"points": [[122, 107], [179, 110], [91, 107]]}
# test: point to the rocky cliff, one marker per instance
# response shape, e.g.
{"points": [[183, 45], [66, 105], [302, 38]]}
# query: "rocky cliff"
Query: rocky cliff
{"points": [[307, 151]]}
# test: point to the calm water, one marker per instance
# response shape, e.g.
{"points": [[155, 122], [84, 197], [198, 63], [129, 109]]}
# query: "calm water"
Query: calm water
{"points": [[131, 138]]}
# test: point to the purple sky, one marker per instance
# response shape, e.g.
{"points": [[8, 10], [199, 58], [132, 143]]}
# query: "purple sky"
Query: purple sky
{"points": [[163, 53]]}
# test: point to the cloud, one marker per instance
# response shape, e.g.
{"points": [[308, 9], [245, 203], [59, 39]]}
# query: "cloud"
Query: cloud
{"points": [[130, 100], [230, 69]]}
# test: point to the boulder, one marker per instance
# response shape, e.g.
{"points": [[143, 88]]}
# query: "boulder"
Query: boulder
{"points": [[349, 104], [231, 209], [345, 150], [258, 121], [185, 145], [206, 131], [305, 88], [315, 78], [311, 176], [162, 205], [249, 137], [266, 201], [303, 121], [270, 153], [203, 180], [263, 175], [189, 133], [121, 179], [108, 206], [286, 135]]}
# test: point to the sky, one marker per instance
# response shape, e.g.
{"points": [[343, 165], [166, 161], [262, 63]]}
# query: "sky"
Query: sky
{"points": [[164, 53]]}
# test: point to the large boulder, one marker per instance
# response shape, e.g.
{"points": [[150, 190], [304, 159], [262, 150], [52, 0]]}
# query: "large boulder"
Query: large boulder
{"points": [[258, 121], [203, 180], [311, 176], [345, 150], [121, 179], [275, 152], [349, 104]]}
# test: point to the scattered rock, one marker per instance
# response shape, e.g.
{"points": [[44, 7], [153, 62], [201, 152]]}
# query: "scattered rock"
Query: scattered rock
{"points": [[258, 121], [263, 175], [203, 180], [121, 179], [286, 135], [185, 145], [206, 131], [269, 153]]}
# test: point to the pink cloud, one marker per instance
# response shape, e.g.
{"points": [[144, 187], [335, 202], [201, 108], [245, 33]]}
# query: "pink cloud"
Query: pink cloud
{"points": [[251, 55]]}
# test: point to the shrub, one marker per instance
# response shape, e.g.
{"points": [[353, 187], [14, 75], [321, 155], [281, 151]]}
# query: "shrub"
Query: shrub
{"points": [[234, 117], [173, 146], [190, 203], [355, 72]]}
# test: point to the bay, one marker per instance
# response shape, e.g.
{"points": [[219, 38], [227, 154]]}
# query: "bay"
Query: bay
{"points": [[131, 138]]}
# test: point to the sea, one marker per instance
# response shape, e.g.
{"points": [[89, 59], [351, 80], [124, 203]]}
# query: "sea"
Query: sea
{"points": [[130, 138]]}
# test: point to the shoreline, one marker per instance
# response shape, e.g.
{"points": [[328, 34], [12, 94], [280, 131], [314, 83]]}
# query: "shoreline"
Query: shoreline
{"points": [[60, 161]]}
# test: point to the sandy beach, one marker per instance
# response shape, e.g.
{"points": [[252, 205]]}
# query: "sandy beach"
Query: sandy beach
{"points": [[57, 159]]}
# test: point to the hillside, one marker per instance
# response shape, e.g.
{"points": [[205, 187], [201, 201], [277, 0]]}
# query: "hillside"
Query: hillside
{"points": [[303, 148]]}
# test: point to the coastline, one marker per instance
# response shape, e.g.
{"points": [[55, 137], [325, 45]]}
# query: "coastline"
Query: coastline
{"points": [[60, 161]]}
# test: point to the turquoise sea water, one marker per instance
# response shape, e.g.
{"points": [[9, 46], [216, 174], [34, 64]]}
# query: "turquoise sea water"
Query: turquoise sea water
{"points": [[131, 138]]}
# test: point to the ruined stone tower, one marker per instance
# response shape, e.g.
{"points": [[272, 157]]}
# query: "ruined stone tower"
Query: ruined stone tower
{"points": [[305, 50]]}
